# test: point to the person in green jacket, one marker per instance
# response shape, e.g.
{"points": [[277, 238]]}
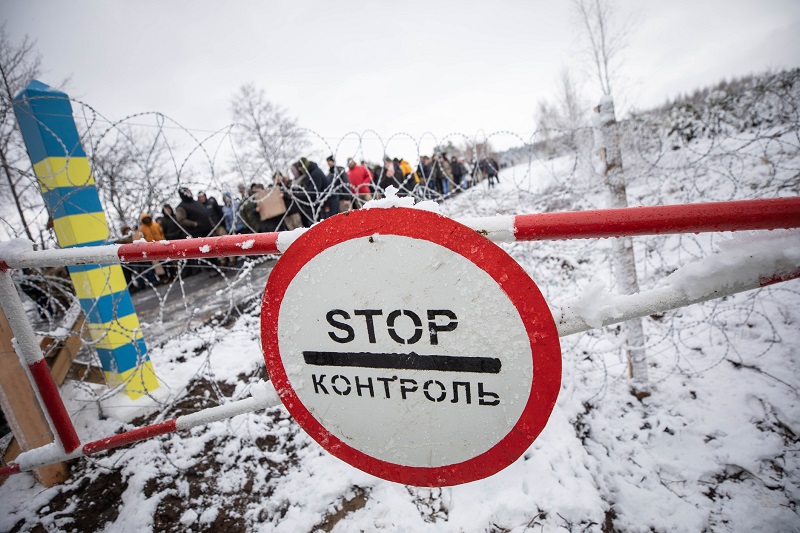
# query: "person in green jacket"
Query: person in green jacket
{"points": [[247, 210]]}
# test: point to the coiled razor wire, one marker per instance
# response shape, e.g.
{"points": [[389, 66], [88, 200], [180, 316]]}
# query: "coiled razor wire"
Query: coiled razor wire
{"points": [[718, 152]]}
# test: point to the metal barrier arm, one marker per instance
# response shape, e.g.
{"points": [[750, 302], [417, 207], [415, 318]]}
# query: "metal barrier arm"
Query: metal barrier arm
{"points": [[31, 356], [757, 266], [774, 213], [198, 248], [724, 274], [263, 396]]}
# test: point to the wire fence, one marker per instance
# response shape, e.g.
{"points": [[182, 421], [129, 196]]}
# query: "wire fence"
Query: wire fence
{"points": [[727, 147]]}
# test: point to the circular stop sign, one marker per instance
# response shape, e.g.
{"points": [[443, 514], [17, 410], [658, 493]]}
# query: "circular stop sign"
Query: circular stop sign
{"points": [[410, 346]]}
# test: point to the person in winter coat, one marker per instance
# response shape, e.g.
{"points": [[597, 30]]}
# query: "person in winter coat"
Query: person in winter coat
{"points": [[459, 173], [442, 174], [361, 182], [386, 178], [169, 224], [215, 216], [341, 184], [172, 231], [393, 176], [398, 169], [230, 206], [488, 167], [231, 222], [405, 167], [424, 175], [247, 211], [151, 231], [214, 211], [317, 191], [192, 215]]}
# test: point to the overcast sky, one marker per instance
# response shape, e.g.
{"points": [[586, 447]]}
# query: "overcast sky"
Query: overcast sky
{"points": [[391, 67]]}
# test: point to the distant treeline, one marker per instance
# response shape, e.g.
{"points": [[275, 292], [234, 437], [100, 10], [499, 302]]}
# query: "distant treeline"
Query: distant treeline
{"points": [[729, 106]]}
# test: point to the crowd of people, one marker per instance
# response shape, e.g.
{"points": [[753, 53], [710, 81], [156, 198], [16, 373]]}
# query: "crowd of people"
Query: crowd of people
{"points": [[307, 195], [434, 177]]}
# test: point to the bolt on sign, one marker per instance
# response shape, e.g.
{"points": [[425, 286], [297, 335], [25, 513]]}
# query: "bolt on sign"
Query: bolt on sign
{"points": [[410, 346]]}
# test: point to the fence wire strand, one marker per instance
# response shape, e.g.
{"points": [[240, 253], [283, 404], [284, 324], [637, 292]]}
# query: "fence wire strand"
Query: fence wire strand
{"points": [[712, 151]]}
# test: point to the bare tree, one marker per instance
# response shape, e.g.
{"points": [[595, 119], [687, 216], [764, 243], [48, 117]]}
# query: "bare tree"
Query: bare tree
{"points": [[447, 148], [558, 122], [267, 139], [607, 38], [132, 173], [572, 107], [19, 64], [548, 127], [475, 151]]}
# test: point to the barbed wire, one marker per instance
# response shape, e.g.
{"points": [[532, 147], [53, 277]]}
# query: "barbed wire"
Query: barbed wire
{"points": [[667, 159]]}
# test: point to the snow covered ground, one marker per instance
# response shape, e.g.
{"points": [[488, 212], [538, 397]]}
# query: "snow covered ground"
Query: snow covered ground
{"points": [[715, 447]]}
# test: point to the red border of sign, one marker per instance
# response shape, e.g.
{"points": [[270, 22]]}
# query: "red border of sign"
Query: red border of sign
{"points": [[513, 280]]}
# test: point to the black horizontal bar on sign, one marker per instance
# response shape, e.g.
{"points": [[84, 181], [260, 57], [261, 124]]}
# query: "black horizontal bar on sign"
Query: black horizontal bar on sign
{"points": [[405, 361]]}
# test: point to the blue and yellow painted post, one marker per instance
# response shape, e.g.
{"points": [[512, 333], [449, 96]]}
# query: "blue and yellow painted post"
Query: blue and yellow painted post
{"points": [[68, 187]]}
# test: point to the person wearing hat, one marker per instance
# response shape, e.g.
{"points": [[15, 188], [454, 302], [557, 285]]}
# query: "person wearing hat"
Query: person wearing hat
{"points": [[247, 214], [151, 231], [192, 215], [341, 184], [214, 211], [320, 201]]}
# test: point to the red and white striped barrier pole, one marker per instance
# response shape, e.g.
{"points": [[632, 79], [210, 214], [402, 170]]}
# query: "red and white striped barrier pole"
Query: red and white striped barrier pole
{"points": [[568, 320], [199, 248], [779, 213], [263, 397], [622, 308], [29, 352], [776, 213], [740, 215]]}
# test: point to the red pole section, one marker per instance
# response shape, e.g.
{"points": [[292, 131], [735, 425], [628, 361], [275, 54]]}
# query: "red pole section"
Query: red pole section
{"points": [[776, 213], [734, 269], [31, 355], [53, 404], [8, 470], [129, 437], [765, 281], [263, 396], [200, 248]]}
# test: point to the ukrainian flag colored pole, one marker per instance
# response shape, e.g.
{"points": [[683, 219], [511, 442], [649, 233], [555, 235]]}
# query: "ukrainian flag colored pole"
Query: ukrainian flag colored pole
{"points": [[68, 187]]}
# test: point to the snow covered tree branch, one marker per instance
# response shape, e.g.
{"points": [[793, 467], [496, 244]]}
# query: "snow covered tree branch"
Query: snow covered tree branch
{"points": [[267, 138]]}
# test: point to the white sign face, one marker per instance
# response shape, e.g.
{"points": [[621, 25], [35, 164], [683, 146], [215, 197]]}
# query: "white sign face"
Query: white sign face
{"points": [[404, 356], [360, 343]]}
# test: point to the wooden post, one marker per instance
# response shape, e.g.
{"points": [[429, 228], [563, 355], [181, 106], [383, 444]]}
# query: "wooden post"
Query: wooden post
{"points": [[61, 354], [22, 410]]}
